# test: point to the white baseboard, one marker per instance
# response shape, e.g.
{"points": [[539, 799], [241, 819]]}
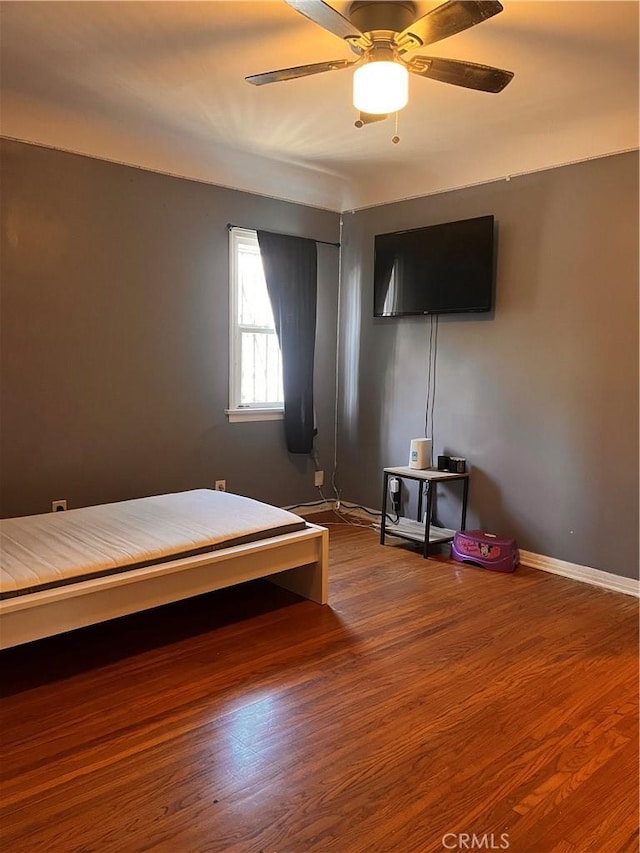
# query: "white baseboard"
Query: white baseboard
{"points": [[366, 514], [584, 574], [305, 511], [573, 571]]}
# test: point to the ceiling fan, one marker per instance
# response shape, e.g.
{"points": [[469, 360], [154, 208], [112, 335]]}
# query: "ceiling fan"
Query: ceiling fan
{"points": [[381, 33]]}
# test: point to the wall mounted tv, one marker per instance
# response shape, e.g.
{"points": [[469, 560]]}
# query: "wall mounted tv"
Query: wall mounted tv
{"points": [[441, 269]]}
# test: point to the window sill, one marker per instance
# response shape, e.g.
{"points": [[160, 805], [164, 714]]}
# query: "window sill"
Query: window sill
{"points": [[253, 414]]}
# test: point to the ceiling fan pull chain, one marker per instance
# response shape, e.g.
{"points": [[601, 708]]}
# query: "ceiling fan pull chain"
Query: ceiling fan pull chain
{"points": [[396, 138]]}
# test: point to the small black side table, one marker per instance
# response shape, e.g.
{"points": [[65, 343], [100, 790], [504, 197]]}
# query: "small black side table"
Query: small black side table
{"points": [[417, 531]]}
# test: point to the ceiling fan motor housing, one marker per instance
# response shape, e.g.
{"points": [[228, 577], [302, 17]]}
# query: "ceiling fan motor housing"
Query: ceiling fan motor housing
{"points": [[370, 15], [380, 33]]}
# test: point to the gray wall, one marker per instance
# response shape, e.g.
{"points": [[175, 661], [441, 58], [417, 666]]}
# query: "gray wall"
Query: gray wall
{"points": [[115, 336], [542, 397], [115, 350]]}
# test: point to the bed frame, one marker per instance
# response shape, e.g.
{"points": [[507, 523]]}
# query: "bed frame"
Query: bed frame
{"points": [[296, 561]]}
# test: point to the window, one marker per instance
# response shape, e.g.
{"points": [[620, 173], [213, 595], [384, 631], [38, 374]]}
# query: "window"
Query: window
{"points": [[255, 364]]}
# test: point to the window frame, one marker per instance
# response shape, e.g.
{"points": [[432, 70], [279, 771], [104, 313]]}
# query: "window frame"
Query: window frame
{"points": [[238, 411]]}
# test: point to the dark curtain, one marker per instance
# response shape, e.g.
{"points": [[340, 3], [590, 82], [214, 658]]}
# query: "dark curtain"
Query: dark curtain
{"points": [[291, 272]]}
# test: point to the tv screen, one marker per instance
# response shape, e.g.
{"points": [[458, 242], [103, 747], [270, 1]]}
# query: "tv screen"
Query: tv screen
{"points": [[441, 269]]}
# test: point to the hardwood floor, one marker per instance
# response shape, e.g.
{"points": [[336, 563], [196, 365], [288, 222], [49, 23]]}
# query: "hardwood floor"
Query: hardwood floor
{"points": [[430, 707]]}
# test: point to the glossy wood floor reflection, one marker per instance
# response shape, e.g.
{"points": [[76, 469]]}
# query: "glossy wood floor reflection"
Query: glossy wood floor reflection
{"points": [[430, 703]]}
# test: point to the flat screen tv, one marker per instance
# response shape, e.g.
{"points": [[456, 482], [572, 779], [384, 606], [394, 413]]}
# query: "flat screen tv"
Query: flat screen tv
{"points": [[441, 269]]}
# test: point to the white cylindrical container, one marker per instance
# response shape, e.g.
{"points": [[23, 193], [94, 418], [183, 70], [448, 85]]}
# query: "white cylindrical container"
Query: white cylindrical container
{"points": [[420, 453]]}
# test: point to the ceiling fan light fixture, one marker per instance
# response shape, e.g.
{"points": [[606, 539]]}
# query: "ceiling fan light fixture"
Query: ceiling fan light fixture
{"points": [[380, 87]]}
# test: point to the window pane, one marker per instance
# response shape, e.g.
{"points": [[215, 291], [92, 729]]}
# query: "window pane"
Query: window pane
{"points": [[261, 369], [254, 305]]}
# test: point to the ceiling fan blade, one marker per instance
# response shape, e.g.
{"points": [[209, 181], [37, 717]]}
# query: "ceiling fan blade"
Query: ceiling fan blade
{"points": [[299, 71], [466, 74], [327, 17], [446, 20], [370, 118]]}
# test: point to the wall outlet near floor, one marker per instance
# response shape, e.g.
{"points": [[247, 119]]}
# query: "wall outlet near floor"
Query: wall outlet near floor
{"points": [[318, 479], [221, 485], [58, 506]]}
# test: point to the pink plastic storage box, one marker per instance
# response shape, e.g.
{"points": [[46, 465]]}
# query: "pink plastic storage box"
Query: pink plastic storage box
{"points": [[485, 550]]}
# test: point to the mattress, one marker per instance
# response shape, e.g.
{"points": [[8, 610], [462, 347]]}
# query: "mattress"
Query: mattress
{"points": [[44, 551]]}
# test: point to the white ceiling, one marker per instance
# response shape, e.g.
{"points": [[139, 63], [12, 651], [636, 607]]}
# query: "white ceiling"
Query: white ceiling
{"points": [[161, 85]]}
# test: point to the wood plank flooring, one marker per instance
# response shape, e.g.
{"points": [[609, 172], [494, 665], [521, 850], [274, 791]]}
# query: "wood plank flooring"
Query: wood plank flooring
{"points": [[430, 707]]}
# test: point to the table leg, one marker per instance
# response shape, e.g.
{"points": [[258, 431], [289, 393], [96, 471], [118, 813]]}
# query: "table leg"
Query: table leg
{"points": [[420, 488], [385, 491], [465, 495], [427, 520]]}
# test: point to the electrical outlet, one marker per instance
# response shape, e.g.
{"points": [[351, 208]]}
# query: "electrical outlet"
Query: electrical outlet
{"points": [[318, 479], [221, 485], [58, 506]]}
